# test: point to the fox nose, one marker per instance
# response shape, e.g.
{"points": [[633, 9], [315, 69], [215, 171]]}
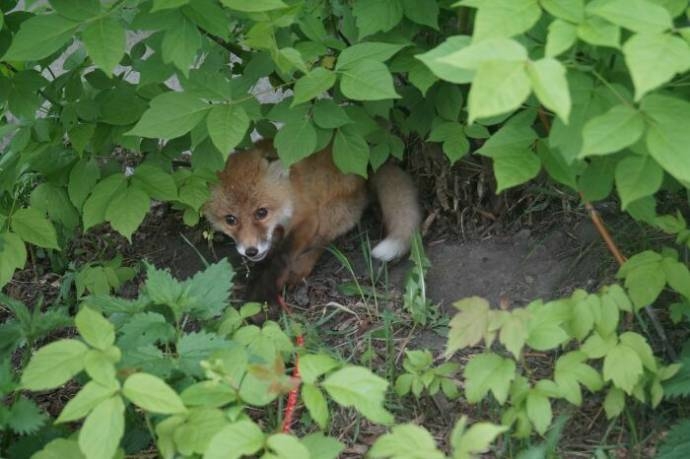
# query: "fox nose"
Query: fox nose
{"points": [[251, 251]]}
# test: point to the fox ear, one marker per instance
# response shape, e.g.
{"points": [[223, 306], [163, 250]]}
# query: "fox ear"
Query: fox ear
{"points": [[277, 170]]}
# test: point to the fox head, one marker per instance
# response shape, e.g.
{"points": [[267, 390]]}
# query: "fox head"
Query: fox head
{"points": [[251, 202]]}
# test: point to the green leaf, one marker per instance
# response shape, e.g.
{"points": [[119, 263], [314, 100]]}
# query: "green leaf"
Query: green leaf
{"points": [[424, 12], [677, 276], [556, 166], [645, 284], [208, 291], [477, 439], [54, 364], [255, 6], [295, 141], [469, 325], [180, 45], [322, 447], [210, 394], [12, 256], [127, 210], [33, 227], [25, 417], [155, 182], [284, 446], [311, 366], [328, 115], [360, 388], [675, 444], [53, 200], [452, 134], [94, 328], [505, 18], [539, 411], [488, 372], [86, 400], [171, 115], [39, 37], [406, 441], [472, 56], [227, 126], [77, 10], [568, 10], [152, 394], [513, 168], [316, 404], [367, 79], [434, 60], [498, 87], [550, 85], [313, 84], [637, 177], [514, 331], [667, 134], [96, 205], [653, 59], [103, 429], [637, 15], [376, 15], [200, 427], [623, 367], [350, 152], [609, 133], [571, 371], [208, 15], [561, 37], [105, 41], [236, 440], [167, 4], [614, 402], [599, 32], [370, 50]]}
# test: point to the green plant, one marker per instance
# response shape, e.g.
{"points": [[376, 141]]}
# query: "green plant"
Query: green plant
{"points": [[420, 374]]}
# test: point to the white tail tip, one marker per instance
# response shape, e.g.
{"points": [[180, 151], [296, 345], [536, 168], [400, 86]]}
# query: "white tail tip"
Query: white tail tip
{"points": [[389, 249]]}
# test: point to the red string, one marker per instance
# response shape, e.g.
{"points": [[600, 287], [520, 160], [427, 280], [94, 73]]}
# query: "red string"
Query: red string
{"points": [[293, 394]]}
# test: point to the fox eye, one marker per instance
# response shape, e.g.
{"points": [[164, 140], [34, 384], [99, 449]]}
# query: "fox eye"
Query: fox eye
{"points": [[261, 213], [231, 220]]}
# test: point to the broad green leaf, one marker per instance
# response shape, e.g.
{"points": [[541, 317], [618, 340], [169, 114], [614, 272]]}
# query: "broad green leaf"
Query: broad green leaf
{"points": [[94, 328], [328, 115], [623, 367], [637, 15], [58, 449], [86, 400], [54, 364], [653, 59], [514, 331], [639, 344], [677, 276], [127, 210], [424, 12], [316, 404], [367, 79], [674, 7], [452, 134], [498, 87], [210, 394], [644, 284], [406, 441], [295, 141], [39, 37], [556, 166], [571, 371], [236, 440], [550, 85], [103, 428], [447, 71], [12, 255], [227, 125], [171, 115], [376, 15], [210, 16], [97, 203], [616, 129], [472, 56], [155, 182], [311, 366], [599, 32], [350, 152], [254, 6], [312, 85], [568, 10], [539, 411], [32, 226], [596, 180], [77, 10], [82, 178], [360, 388], [505, 18], [477, 439], [105, 41], [80, 136], [488, 372], [200, 427], [667, 133], [561, 37], [167, 4], [100, 365], [637, 177], [514, 168], [371, 50], [180, 45], [469, 325], [322, 447], [152, 394], [614, 403], [285, 446]]}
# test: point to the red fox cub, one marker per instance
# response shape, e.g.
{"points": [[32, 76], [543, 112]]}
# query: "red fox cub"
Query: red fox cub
{"points": [[294, 214]]}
